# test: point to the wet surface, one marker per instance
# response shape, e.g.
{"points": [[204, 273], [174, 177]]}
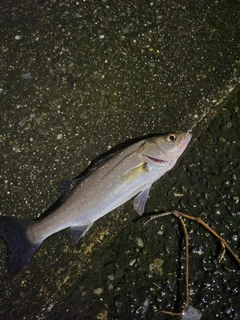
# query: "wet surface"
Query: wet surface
{"points": [[80, 77], [142, 269]]}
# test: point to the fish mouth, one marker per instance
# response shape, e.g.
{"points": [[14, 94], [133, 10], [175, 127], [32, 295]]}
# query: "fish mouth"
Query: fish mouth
{"points": [[156, 160], [186, 140]]}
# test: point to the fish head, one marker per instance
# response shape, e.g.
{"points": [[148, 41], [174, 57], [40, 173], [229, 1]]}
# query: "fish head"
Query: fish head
{"points": [[164, 150]]}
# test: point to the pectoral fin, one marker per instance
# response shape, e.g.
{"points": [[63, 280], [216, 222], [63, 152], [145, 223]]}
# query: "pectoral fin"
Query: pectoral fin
{"points": [[140, 200], [78, 232], [136, 172]]}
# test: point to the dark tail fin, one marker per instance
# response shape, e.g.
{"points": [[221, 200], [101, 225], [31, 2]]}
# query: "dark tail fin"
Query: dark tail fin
{"points": [[19, 248]]}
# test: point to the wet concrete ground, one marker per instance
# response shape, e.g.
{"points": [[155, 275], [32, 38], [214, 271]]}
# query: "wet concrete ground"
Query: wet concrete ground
{"points": [[80, 77]]}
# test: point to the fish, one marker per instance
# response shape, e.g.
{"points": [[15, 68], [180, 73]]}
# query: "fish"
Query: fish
{"points": [[109, 183]]}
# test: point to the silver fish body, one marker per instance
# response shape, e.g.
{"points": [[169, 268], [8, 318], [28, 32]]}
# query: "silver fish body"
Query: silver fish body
{"points": [[128, 172]]}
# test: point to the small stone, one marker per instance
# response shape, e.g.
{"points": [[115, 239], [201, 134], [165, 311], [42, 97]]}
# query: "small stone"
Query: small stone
{"points": [[140, 242], [59, 136], [98, 291], [132, 262], [27, 76]]}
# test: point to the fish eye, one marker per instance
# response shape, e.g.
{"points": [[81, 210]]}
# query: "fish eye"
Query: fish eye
{"points": [[171, 137]]}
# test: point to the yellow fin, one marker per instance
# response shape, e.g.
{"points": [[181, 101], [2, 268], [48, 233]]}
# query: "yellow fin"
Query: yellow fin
{"points": [[135, 173]]}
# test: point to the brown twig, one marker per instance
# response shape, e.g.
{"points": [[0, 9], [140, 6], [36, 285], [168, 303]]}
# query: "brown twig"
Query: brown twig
{"points": [[223, 242]]}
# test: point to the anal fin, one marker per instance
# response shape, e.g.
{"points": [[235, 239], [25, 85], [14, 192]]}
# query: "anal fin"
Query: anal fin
{"points": [[78, 232]]}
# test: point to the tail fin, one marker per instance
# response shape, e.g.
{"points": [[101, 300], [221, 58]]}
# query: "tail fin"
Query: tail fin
{"points": [[19, 248]]}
